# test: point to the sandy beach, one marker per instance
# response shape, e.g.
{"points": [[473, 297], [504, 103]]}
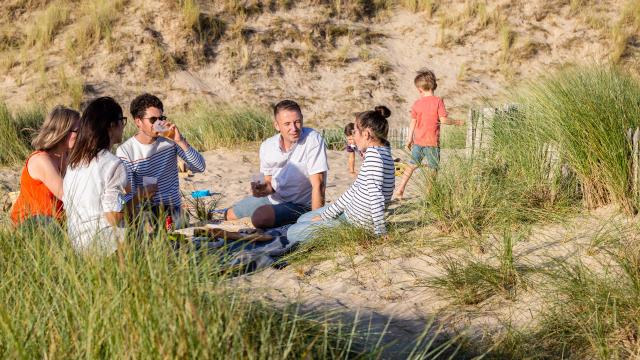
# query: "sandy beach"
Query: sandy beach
{"points": [[386, 288]]}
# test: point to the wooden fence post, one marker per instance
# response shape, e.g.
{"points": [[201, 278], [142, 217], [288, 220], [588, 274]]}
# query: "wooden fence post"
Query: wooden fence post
{"points": [[635, 166], [471, 126]]}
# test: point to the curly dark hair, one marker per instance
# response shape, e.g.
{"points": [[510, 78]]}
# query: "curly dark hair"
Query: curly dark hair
{"points": [[142, 102]]}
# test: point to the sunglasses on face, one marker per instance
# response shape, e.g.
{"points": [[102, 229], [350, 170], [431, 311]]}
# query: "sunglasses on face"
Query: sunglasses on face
{"points": [[153, 119]]}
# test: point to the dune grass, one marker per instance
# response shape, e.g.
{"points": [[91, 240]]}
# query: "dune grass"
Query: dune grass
{"points": [[470, 281], [591, 308], [47, 24], [17, 130], [470, 198], [149, 300], [190, 13], [624, 30], [584, 112], [95, 23], [144, 302], [595, 310], [427, 6], [208, 126], [326, 243]]}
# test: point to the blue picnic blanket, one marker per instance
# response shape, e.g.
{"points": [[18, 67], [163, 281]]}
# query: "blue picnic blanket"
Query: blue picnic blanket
{"points": [[249, 255]]}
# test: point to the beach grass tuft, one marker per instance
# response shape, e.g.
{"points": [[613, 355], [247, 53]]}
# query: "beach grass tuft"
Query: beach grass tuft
{"points": [[17, 130], [210, 125], [470, 281], [147, 300]]}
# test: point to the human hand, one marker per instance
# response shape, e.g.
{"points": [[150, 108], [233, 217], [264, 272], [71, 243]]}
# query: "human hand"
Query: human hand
{"points": [[261, 189], [316, 218], [147, 191], [173, 129], [409, 145]]}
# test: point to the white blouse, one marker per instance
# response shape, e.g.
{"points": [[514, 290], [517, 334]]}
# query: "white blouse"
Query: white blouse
{"points": [[90, 191]]}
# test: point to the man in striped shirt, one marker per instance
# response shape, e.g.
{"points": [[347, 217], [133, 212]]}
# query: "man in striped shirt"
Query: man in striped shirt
{"points": [[148, 155]]}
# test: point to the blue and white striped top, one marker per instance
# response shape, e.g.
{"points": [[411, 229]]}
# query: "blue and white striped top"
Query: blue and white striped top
{"points": [[158, 160], [365, 201]]}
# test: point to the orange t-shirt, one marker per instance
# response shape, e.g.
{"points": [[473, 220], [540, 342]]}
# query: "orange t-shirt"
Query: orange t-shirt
{"points": [[427, 111], [35, 199]]}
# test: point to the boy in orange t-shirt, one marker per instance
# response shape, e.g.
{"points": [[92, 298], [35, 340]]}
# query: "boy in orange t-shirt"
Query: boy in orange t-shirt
{"points": [[423, 140]]}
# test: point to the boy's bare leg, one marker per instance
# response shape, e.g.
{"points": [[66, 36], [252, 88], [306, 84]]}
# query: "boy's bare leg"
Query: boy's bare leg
{"points": [[405, 179]]}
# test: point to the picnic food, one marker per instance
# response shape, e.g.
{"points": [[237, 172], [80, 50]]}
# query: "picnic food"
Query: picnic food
{"points": [[177, 237]]}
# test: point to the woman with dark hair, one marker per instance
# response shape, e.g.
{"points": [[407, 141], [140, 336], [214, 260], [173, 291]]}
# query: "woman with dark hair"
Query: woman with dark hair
{"points": [[40, 198], [95, 181], [363, 204]]}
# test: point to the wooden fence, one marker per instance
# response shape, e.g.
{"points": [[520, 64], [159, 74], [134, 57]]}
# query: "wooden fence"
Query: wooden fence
{"points": [[335, 139], [633, 137], [479, 136], [480, 127]]}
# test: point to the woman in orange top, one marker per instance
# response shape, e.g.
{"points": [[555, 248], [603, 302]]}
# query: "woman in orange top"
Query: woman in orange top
{"points": [[41, 180]]}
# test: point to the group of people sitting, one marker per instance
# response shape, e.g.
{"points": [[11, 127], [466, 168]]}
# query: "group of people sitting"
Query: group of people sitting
{"points": [[74, 175]]}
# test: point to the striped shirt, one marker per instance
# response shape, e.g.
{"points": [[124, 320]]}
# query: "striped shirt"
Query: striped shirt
{"points": [[365, 201], [158, 160]]}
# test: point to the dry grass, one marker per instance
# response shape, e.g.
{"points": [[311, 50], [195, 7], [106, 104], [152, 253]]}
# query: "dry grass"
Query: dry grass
{"points": [[96, 23], [158, 61], [47, 23], [9, 60], [444, 39], [428, 6], [190, 10], [625, 31], [70, 87], [507, 39], [529, 49]]}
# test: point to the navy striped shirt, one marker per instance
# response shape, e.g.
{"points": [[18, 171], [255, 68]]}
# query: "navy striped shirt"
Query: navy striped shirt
{"points": [[158, 160], [365, 201]]}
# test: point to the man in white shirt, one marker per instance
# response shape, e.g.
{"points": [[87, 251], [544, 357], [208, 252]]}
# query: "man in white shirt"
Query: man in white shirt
{"points": [[151, 154], [294, 164]]}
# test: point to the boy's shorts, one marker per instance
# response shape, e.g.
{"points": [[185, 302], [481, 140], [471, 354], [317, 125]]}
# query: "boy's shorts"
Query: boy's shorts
{"points": [[285, 213], [429, 153]]}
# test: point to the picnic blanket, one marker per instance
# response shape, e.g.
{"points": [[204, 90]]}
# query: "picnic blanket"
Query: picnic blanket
{"points": [[247, 255]]}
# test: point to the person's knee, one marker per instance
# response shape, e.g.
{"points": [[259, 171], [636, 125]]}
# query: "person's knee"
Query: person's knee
{"points": [[230, 215], [299, 232], [263, 217]]}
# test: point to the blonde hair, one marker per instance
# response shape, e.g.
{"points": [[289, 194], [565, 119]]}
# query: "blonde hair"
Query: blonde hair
{"points": [[57, 125], [425, 80]]}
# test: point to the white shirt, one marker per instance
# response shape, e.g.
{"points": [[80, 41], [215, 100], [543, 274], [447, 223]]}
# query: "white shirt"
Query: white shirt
{"points": [[90, 191], [290, 170]]}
